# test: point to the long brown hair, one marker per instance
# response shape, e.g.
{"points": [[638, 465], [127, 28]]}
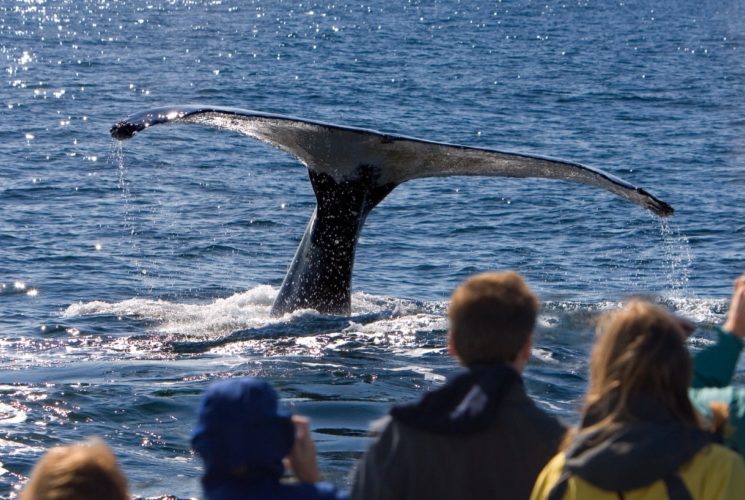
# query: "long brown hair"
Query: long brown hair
{"points": [[640, 351]]}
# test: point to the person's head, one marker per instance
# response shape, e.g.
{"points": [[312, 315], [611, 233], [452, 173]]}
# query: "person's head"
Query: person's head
{"points": [[492, 316], [640, 352], [85, 471], [241, 434]]}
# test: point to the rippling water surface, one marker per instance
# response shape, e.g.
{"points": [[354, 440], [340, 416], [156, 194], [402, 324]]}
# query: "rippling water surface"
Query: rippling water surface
{"points": [[132, 275]]}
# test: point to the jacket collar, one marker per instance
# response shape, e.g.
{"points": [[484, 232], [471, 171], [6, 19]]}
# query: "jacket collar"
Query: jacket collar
{"points": [[466, 404]]}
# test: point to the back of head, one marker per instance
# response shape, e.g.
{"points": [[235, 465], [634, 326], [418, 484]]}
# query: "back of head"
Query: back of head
{"points": [[78, 472], [241, 434], [491, 318], [640, 353]]}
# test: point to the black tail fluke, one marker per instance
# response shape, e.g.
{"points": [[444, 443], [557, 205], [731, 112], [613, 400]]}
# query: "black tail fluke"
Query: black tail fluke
{"points": [[352, 170]]}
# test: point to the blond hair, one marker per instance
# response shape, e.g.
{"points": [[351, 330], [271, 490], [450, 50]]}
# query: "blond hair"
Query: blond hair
{"points": [[87, 471], [491, 317], [640, 351]]}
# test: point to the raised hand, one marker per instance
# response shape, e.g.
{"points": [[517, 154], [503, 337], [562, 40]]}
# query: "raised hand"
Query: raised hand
{"points": [[302, 457], [736, 316]]}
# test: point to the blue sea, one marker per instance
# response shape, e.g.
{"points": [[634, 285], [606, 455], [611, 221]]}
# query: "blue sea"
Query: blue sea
{"points": [[134, 274]]}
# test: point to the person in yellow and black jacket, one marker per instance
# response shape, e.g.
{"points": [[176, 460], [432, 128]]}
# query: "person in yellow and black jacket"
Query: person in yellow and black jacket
{"points": [[640, 437]]}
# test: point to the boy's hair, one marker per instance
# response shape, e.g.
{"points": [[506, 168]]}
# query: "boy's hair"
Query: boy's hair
{"points": [[78, 472], [491, 317]]}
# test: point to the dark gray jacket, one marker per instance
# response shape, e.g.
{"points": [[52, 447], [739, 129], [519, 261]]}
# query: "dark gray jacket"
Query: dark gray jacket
{"points": [[499, 459]]}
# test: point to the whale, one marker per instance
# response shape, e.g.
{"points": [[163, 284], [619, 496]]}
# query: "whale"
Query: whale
{"points": [[351, 171]]}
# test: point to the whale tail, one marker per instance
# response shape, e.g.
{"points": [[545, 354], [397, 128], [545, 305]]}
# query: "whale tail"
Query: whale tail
{"points": [[351, 171]]}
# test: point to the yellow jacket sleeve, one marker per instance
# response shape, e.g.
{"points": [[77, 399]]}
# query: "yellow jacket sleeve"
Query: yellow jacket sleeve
{"points": [[548, 477], [716, 473]]}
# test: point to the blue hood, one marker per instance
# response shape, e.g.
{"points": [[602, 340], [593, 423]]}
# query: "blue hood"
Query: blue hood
{"points": [[241, 434]]}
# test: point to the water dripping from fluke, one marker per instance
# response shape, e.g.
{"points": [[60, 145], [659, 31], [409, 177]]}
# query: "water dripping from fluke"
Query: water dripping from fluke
{"points": [[677, 254]]}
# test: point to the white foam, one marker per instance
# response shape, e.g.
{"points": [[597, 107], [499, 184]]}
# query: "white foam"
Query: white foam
{"points": [[403, 335], [366, 303], [699, 310], [11, 415], [402, 321], [13, 448], [425, 372], [404, 327], [543, 355], [249, 309], [222, 316]]}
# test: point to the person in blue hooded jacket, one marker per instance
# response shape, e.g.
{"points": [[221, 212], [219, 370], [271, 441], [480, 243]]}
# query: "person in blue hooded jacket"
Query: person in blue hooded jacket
{"points": [[245, 440]]}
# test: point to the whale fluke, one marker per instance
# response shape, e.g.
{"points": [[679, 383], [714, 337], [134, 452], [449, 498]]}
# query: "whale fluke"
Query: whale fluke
{"points": [[351, 171]]}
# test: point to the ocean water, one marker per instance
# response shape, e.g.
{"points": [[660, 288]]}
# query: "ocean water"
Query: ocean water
{"points": [[134, 274]]}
